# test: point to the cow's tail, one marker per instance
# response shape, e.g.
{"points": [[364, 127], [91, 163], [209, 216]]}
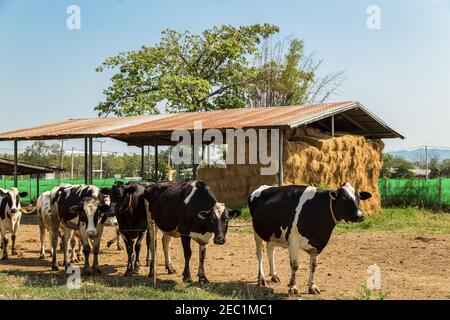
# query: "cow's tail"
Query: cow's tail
{"points": [[34, 210]]}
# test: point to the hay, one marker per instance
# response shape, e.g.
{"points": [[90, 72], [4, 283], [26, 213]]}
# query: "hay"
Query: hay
{"points": [[314, 158]]}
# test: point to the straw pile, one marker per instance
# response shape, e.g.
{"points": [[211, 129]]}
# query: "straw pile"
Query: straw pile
{"points": [[312, 158]]}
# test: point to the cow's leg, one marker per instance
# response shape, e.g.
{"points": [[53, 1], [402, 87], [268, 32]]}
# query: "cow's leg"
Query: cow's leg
{"points": [[54, 236], [42, 238], [80, 249], [271, 255], [312, 289], [13, 238], [186, 241], [65, 242], [293, 258], [86, 249], [96, 249], [151, 248], [4, 243], [201, 264], [129, 244], [119, 247], [137, 250], [166, 246], [259, 255], [73, 244]]}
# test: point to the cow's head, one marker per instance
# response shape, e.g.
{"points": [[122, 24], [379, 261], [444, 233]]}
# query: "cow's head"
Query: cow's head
{"points": [[216, 220], [12, 198], [120, 196], [96, 209], [347, 203]]}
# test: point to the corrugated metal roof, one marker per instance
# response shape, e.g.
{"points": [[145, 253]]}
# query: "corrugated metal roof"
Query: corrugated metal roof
{"points": [[135, 127]]}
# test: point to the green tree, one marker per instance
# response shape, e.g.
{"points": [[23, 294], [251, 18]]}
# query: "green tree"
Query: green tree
{"points": [[186, 72], [387, 169], [41, 153], [402, 169]]}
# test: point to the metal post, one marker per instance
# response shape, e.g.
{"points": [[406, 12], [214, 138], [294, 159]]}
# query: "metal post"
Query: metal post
{"points": [[37, 186], [194, 166], [280, 159], [332, 126], [86, 178], [156, 159], [31, 188], [71, 165], [90, 162], [15, 164], [142, 161]]}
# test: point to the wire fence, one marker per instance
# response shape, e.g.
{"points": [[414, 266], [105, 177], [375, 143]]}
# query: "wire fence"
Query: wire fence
{"points": [[431, 193]]}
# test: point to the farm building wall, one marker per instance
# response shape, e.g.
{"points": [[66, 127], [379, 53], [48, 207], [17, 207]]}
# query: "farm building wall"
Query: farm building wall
{"points": [[310, 157]]}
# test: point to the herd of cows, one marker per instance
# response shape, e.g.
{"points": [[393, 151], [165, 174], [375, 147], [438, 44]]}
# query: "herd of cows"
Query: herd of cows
{"points": [[293, 217]]}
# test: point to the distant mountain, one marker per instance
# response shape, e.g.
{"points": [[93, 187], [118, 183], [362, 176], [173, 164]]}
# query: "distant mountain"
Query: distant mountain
{"points": [[419, 154]]}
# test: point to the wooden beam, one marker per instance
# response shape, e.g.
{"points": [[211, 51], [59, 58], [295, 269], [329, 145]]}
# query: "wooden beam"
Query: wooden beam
{"points": [[332, 126], [280, 159], [356, 123], [86, 177], [324, 125]]}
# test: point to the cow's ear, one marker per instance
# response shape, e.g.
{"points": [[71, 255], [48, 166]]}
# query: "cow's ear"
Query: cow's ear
{"points": [[203, 215], [76, 209], [2, 193], [23, 194], [130, 189], [234, 213], [363, 195], [106, 191]]}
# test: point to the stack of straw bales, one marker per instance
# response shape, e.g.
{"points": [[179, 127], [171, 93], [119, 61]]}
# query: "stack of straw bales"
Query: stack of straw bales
{"points": [[312, 158]]}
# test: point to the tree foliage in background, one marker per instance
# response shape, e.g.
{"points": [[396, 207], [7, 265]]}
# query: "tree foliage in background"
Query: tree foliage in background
{"points": [[187, 72], [223, 67], [289, 77]]}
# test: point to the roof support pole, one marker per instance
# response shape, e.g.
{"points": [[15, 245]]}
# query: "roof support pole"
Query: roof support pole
{"points": [[332, 126], [194, 165], [280, 159], [15, 164], [142, 161], [90, 162], [156, 159], [37, 186], [86, 177]]}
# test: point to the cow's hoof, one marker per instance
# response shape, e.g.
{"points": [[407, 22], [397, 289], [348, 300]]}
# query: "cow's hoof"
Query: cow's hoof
{"points": [[203, 281], [80, 258], [313, 290], [42, 256], [151, 274], [55, 268], [4, 257], [128, 273], [262, 282], [136, 270], [275, 279], [14, 253], [293, 291], [96, 271], [171, 270], [87, 272], [187, 279]]}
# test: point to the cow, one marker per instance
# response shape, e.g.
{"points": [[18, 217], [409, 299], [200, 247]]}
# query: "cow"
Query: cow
{"points": [[10, 216], [131, 217], [299, 217], [112, 222], [188, 210], [43, 212], [82, 208]]}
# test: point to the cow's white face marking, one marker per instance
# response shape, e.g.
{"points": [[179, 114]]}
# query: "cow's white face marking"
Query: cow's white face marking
{"points": [[296, 240], [202, 239], [350, 190], [188, 198], [219, 208], [257, 192], [13, 193], [90, 206]]}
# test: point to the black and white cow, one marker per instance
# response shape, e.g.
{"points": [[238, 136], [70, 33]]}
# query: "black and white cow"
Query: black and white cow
{"points": [[188, 210], [132, 219], [44, 217], [10, 216], [84, 208], [299, 217]]}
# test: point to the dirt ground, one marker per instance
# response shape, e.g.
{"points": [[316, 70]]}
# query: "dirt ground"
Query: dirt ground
{"points": [[411, 267]]}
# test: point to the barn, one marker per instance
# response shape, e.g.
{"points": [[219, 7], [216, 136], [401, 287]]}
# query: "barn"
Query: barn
{"points": [[322, 144]]}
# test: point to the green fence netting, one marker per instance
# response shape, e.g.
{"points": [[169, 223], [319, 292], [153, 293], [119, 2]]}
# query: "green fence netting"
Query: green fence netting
{"points": [[415, 192]]}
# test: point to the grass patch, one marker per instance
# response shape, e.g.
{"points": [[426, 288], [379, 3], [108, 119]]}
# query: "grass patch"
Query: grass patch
{"points": [[23, 285], [411, 220]]}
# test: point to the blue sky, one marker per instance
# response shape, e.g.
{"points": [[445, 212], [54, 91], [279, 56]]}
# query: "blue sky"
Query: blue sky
{"points": [[401, 72]]}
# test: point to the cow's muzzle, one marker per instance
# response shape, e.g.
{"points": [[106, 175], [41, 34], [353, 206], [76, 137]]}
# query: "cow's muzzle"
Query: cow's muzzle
{"points": [[14, 210], [219, 240]]}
